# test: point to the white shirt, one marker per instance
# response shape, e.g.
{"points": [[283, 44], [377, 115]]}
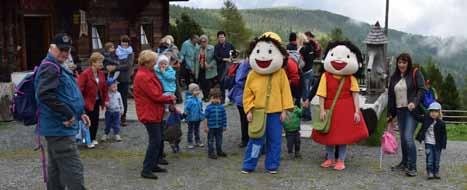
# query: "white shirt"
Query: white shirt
{"points": [[430, 134], [400, 89]]}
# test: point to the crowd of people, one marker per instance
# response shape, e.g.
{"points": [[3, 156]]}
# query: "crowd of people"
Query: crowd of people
{"points": [[201, 71]]}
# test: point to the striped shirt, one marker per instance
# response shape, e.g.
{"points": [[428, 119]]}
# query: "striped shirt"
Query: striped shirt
{"points": [[216, 116]]}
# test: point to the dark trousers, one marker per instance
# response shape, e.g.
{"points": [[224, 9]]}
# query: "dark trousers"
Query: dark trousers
{"points": [[433, 157], [64, 165], [244, 125], [153, 152], [94, 117], [193, 129], [112, 121], [123, 88], [215, 134], [221, 72], [293, 141], [205, 84]]}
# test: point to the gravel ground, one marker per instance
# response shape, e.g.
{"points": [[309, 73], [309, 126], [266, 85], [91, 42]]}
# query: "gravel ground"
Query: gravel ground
{"points": [[117, 165]]}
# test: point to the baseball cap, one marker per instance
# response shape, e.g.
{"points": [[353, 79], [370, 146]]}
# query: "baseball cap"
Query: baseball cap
{"points": [[62, 41]]}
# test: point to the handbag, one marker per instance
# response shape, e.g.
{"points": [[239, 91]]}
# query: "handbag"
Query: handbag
{"points": [[257, 127], [323, 126]]}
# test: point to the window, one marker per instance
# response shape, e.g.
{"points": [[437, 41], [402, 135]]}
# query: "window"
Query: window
{"points": [[146, 35], [144, 39], [98, 32]]}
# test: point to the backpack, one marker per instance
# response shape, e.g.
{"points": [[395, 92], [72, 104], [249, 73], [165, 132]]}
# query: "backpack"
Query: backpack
{"points": [[428, 98], [229, 79], [24, 105]]}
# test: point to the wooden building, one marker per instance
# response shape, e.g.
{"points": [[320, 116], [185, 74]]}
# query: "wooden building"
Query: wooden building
{"points": [[26, 27]]}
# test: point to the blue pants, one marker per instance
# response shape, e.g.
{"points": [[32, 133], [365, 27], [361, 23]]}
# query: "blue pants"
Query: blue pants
{"points": [[342, 150], [215, 134], [307, 84], [153, 152], [407, 125], [273, 134], [112, 121], [193, 129], [433, 157]]}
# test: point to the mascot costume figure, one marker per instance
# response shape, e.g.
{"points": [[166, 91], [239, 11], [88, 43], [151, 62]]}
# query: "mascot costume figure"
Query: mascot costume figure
{"points": [[267, 57], [341, 62]]}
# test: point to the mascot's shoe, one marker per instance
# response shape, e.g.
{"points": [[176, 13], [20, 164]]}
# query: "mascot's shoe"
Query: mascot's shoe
{"points": [[272, 171], [339, 165], [328, 163]]}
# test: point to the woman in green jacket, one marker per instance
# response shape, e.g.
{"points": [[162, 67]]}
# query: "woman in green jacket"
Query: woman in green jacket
{"points": [[205, 68]]}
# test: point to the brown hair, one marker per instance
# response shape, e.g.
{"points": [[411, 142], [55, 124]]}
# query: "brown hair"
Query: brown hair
{"points": [[146, 56], [215, 93], [276, 43], [109, 45], [404, 57], [95, 57], [124, 38]]}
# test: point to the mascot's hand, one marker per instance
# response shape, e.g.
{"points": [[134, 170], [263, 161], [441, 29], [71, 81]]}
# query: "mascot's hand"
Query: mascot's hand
{"points": [[322, 115], [357, 117], [283, 116], [249, 117]]}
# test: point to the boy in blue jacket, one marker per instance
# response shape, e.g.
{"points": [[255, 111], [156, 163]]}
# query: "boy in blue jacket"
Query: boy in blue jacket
{"points": [[193, 114], [216, 123]]}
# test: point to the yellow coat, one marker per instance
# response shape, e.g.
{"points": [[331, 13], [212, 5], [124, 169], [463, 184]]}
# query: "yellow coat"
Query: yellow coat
{"points": [[254, 94]]}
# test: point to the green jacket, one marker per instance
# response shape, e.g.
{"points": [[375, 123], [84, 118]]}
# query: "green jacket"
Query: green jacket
{"points": [[187, 54], [211, 66]]}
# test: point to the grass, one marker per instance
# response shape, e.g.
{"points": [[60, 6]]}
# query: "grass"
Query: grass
{"points": [[457, 132]]}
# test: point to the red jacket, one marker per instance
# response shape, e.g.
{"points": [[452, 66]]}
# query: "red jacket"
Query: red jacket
{"points": [[149, 100], [293, 73], [89, 88]]}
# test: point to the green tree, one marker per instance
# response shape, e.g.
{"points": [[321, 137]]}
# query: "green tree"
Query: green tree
{"points": [[449, 95], [184, 27], [337, 34], [234, 26], [433, 74], [464, 92]]}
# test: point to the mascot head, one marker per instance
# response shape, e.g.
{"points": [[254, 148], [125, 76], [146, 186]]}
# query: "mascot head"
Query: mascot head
{"points": [[342, 58], [266, 54]]}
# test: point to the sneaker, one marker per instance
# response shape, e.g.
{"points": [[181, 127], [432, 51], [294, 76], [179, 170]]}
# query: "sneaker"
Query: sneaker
{"points": [[94, 142], [436, 176], [327, 163], [190, 146], [411, 173], [212, 156], [272, 171], [118, 138], [148, 175], [430, 176], [339, 165], [158, 169], [221, 154], [199, 144], [104, 138], [90, 146], [245, 171], [399, 167]]}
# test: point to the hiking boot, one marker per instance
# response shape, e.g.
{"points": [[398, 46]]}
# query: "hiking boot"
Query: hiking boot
{"points": [[118, 138], [212, 156], [430, 176], [436, 176], [158, 169], [104, 138], [339, 165], [327, 163], [411, 173], [399, 167], [221, 154], [148, 175]]}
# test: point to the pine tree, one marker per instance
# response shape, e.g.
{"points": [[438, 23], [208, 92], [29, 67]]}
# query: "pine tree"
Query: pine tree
{"points": [[234, 26], [464, 93], [433, 74], [449, 95], [184, 28]]}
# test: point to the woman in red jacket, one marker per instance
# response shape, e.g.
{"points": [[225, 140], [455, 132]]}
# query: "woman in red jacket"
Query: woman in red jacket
{"points": [[94, 89], [149, 101]]}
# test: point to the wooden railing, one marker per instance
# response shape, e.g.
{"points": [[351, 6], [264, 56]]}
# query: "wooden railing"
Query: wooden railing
{"points": [[455, 116]]}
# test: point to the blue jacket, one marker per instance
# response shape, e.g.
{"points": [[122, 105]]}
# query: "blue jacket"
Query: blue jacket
{"points": [[236, 94], [122, 53], [167, 78], [187, 54], [216, 116], [193, 108], [58, 99]]}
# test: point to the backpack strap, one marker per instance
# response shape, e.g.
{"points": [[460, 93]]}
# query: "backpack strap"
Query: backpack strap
{"points": [[414, 74]]}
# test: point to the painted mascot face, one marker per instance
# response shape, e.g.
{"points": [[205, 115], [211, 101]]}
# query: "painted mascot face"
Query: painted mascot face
{"points": [[266, 58], [341, 61]]}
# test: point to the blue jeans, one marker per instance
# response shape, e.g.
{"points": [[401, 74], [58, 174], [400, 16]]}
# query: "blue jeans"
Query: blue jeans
{"points": [[112, 121], [341, 153], [433, 157], [307, 82], [215, 134], [153, 152], [193, 129], [407, 125], [273, 134]]}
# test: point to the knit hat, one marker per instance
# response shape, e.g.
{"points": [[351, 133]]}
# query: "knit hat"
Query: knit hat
{"points": [[111, 81], [192, 87], [162, 58], [434, 106]]}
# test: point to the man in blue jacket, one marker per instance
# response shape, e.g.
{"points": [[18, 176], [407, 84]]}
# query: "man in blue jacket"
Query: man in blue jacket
{"points": [[222, 51], [60, 106]]}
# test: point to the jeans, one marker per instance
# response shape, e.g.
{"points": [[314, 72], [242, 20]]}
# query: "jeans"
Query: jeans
{"points": [[64, 165], [193, 128], [123, 88], [293, 141], [244, 125], [433, 157], [407, 125], [307, 82], [112, 121], [342, 150], [153, 152], [215, 134], [94, 117]]}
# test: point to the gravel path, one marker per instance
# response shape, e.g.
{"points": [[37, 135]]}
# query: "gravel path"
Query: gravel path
{"points": [[117, 166]]}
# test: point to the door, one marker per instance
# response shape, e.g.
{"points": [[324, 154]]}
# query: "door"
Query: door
{"points": [[37, 36]]}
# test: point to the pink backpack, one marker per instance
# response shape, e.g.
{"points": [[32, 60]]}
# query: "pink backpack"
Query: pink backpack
{"points": [[388, 140]]}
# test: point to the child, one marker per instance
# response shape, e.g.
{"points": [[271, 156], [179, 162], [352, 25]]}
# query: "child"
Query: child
{"points": [[216, 123], [166, 74], [113, 112], [193, 114], [124, 49], [110, 61], [433, 133], [292, 132]]}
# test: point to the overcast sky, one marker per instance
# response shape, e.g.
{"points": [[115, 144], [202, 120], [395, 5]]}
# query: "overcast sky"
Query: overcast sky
{"points": [[442, 18]]}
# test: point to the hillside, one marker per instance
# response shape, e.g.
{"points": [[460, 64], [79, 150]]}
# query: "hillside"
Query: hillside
{"points": [[450, 54]]}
